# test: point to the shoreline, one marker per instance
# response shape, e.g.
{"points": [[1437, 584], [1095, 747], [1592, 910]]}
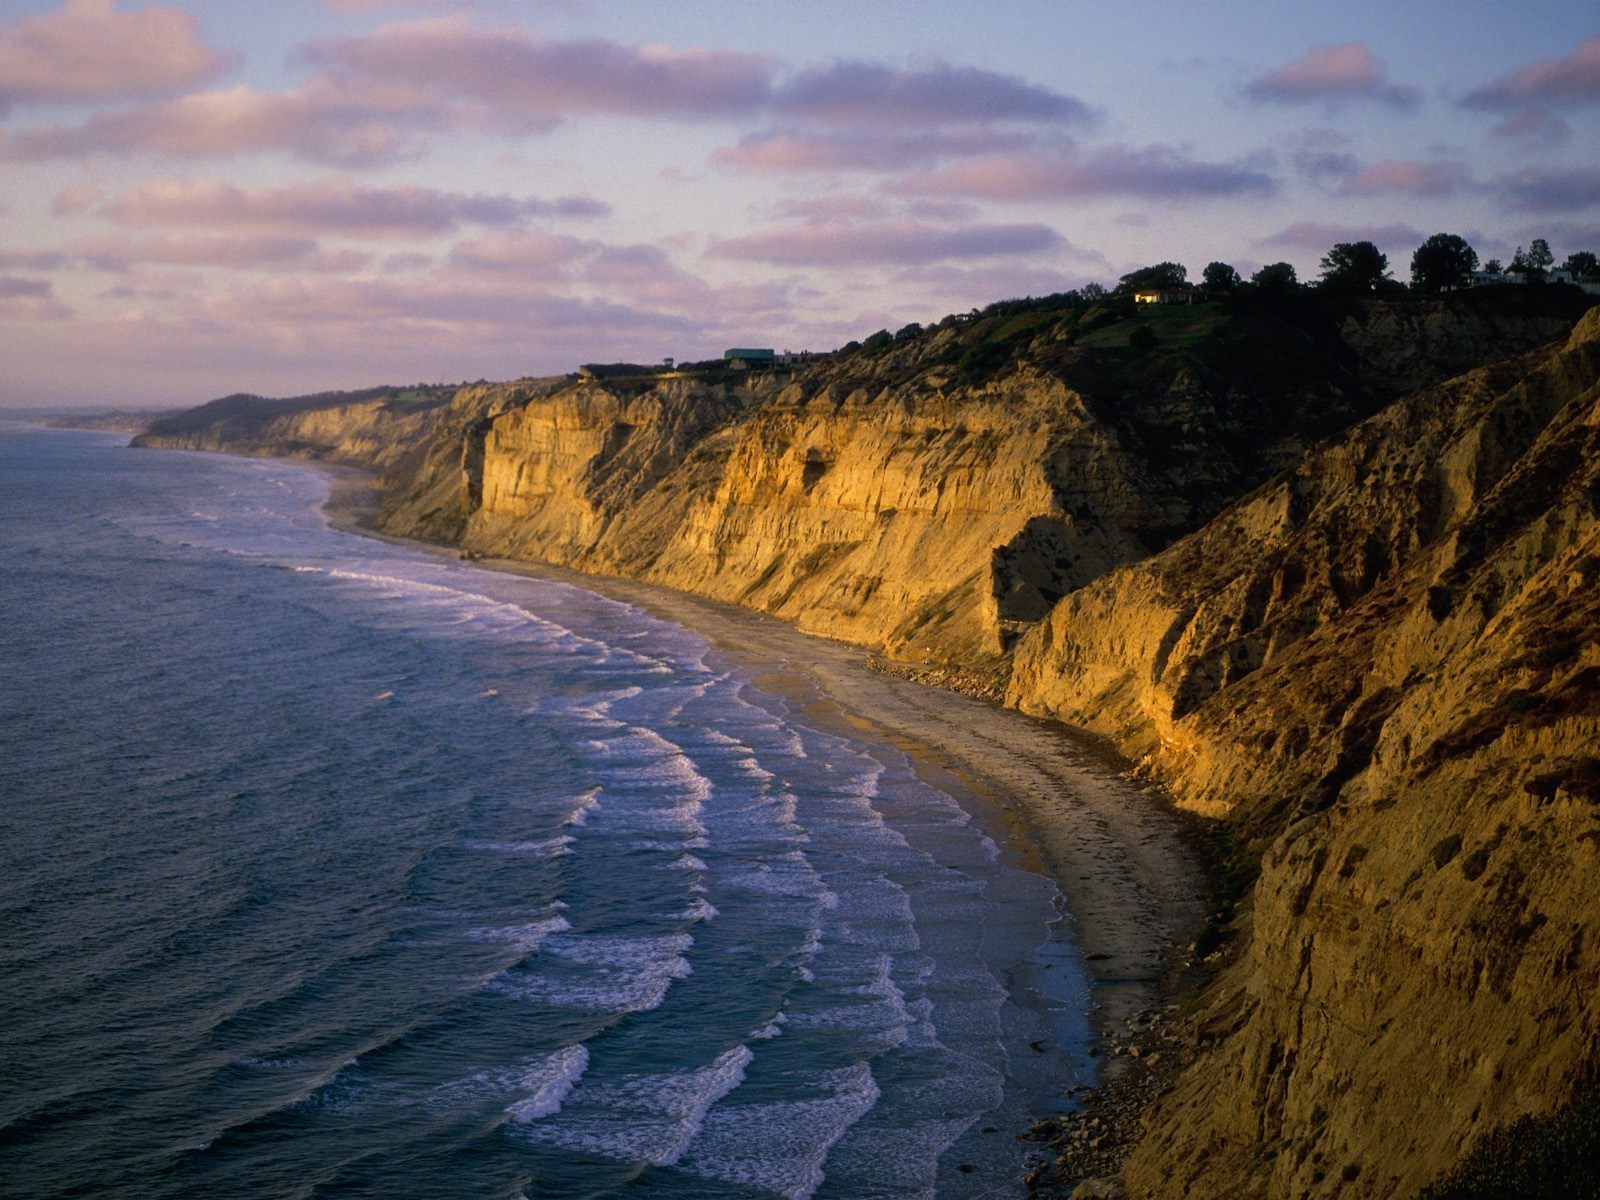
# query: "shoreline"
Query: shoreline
{"points": [[1125, 861], [1121, 855]]}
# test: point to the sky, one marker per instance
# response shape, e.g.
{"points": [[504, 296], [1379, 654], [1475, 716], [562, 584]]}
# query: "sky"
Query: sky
{"points": [[199, 198]]}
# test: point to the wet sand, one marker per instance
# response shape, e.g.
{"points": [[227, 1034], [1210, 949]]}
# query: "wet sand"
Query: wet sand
{"points": [[1121, 857]]}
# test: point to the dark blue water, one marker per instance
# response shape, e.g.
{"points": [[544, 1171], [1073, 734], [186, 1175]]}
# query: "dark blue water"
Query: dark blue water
{"points": [[333, 868]]}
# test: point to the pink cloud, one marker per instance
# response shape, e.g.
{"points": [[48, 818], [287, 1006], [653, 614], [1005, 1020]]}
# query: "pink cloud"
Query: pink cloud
{"points": [[323, 206], [69, 202], [1154, 172], [520, 80], [1332, 73], [833, 150], [835, 206], [24, 299], [269, 252], [849, 93], [833, 244], [33, 260], [320, 123], [90, 52], [1311, 235], [1573, 79], [518, 251], [1535, 127], [376, 95], [1406, 178]]}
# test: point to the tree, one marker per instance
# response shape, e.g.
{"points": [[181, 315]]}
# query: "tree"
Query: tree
{"points": [[1494, 267], [907, 331], [1583, 265], [1354, 268], [1443, 263], [1093, 293], [877, 341], [1276, 279], [1534, 261], [1219, 277], [1162, 275]]}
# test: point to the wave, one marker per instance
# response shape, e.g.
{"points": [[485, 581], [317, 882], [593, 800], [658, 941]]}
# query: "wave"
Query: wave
{"points": [[645, 1118], [781, 1146], [612, 974]]}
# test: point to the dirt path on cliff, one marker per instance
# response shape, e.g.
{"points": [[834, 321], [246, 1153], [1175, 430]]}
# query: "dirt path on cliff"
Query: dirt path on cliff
{"points": [[1120, 854]]}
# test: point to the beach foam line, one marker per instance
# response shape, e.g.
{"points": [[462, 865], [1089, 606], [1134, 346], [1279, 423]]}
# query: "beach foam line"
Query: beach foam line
{"points": [[644, 1118], [782, 1146], [616, 974]]}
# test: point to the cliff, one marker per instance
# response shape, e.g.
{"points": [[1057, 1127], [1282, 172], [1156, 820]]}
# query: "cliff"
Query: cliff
{"points": [[1327, 570], [918, 502], [1381, 670]]}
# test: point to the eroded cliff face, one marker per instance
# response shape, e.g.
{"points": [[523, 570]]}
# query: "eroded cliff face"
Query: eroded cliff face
{"points": [[853, 512], [1383, 668], [1378, 668], [895, 501]]}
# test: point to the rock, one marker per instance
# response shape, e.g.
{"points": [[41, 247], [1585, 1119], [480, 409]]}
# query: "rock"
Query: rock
{"points": [[1096, 1188]]}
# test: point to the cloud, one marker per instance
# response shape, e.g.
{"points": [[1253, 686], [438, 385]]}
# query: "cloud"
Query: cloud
{"points": [[23, 299], [1312, 235], [33, 260], [374, 96], [1407, 178], [319, 122], [1332, 73], [834, 206], [69, 202], [520, 252], [854, 150], [520, 81], [1574, 79], [1153, 172], [1323, 153], [90, 52], [228, 251], [1540, 190], [1535, 127], [325, 206], [861, 93], [906, 242]]}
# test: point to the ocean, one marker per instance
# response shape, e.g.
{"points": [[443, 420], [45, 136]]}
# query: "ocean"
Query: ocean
{"points": [[334, 867]]}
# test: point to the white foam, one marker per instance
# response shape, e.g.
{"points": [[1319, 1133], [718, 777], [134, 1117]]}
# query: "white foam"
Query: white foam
{"points": [[536, 1086], [781, 1146], [645, 1118], [585, 804], [622, 975], [526, 938], [700, 909], [551, 1084], [551, 847]]}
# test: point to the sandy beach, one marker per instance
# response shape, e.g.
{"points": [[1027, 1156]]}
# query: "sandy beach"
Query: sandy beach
{"points": [[1121, 856]]}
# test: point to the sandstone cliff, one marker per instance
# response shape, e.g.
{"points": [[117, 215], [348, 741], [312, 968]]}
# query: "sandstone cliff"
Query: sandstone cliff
{"points": [[1328, 572], [1382, 669], [904, 500]]}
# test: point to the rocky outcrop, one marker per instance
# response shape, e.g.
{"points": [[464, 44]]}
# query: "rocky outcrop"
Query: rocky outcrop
{"points": [[1382, 670]]}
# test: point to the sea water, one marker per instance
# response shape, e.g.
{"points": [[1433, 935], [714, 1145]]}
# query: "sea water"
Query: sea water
{"points": [[332, 867]]}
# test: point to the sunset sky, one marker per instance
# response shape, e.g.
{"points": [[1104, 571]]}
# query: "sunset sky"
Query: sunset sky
{"points": [[199, 198]]}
